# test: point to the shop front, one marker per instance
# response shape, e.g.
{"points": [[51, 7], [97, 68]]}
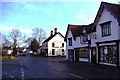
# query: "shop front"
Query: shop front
{"points": [[84, 54], [108, 54], [71, 54]]}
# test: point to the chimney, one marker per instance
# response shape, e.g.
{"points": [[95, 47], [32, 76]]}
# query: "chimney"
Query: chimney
{"points": [[51, 32], [55, 30]]}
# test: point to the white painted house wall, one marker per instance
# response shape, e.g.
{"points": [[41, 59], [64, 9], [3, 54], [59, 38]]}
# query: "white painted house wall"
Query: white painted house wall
{"points": [[57, 40], [118, 32], [106, 16], [69, 35], [77, 43], [93, 39]]}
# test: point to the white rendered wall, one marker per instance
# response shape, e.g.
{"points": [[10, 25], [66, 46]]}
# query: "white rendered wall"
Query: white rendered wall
{"points": [[106, 16], [69, 35], [57, 40]]}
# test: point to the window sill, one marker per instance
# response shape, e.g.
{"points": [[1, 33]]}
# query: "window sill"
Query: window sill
{"points": [[106, 35]]}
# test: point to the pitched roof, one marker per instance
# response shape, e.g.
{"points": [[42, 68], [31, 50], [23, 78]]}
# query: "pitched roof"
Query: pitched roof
{"points": [[49, 38], [77, 29], [114, 9]]}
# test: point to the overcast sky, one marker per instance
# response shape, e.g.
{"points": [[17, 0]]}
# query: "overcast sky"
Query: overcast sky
{"points": [[48, 15]]}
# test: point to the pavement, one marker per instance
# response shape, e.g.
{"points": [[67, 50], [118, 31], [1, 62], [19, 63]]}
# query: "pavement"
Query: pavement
{"points": [[36, 67]]}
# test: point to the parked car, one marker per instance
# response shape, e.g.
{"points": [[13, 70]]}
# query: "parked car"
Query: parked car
{"points": [[36, 53], [23, 54], [18, 54], [30, 52]]}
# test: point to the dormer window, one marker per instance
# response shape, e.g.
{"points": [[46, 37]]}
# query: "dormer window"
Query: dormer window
{"points": [[106, 28], [85, 37]]}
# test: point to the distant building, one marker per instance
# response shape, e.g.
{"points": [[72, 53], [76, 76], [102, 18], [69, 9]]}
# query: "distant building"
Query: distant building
{"points": [[54, 45]]}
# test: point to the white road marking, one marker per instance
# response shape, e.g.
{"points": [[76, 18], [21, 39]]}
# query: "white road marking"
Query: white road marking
{"points": [[56, 69], [77, 76], [11, 76], [22, 72]]}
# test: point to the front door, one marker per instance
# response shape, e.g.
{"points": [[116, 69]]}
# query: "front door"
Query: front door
{"points": [[93, 55], [71, 55], [76, 54]]}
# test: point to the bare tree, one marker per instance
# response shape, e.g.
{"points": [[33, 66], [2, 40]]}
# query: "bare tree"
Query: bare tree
{"points": [[39, 34], [15, 36]]}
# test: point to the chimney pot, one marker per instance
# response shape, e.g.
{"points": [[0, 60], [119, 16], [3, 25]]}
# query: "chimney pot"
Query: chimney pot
{"points": [[51, 32], [55, 30]]}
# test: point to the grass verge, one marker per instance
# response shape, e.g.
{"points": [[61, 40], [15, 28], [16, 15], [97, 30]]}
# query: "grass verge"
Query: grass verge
{"points": [[8, 58]]}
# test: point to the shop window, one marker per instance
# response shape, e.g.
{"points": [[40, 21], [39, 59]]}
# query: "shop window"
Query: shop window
{"points": [[108, 54], [83, 52], [106, 28]]}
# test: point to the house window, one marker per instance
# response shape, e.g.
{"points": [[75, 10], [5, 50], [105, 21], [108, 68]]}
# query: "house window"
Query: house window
{"points": [[70, 41], [53, 45], [53, 52], [85, 37], [62, 51], [106, 28], [62, 44]]}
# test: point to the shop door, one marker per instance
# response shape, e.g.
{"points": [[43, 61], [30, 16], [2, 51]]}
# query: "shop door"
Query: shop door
{"points": [[93, 55], [71, 55], [76, 54]]}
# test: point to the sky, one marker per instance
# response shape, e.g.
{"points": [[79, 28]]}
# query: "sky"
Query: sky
{"points": [[47, 15]]}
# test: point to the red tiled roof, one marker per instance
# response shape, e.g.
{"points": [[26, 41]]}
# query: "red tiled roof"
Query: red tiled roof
{"points": [[77, 29], [115, 8]]}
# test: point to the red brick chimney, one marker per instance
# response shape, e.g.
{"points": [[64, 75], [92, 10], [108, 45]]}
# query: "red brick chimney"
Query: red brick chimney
{"points": [[51, 32], [55, 30]]}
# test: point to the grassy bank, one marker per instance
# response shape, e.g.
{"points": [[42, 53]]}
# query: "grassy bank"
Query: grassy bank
{"points": [[8, 58]]}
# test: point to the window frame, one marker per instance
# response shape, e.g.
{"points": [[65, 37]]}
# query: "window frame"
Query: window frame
{"points": [[70, 41], [53, 44], [62, 44], [106, 28], [84, 36]]}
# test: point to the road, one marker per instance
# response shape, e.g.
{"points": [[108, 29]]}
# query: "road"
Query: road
{"points": [[35, 67]]}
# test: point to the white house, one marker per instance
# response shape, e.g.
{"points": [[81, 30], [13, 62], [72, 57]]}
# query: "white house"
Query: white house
{"points": [[107, 42], [77, 48], [98, 42], [54, 45]]}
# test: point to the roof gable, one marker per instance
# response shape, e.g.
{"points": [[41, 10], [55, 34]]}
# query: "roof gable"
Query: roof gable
{"points": [[114, 9], [49, 38], [77, 30]]}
